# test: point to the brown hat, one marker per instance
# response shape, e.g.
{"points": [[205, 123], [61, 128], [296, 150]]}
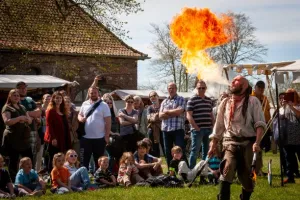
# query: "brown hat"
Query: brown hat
{"points": [[21, 83]]}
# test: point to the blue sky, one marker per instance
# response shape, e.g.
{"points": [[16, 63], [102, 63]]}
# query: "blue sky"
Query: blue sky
{"points": [[277, 23]]}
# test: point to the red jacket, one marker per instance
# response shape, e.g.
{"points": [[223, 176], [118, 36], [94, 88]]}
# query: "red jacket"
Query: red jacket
{"points": [[55, 129]]}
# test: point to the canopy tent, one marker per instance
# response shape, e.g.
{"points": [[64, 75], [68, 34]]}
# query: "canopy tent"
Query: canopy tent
{"points": [[142, 93], [33, 81]]}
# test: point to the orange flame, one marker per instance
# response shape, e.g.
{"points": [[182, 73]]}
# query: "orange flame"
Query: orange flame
{"points": [[253, 176], [195, 30]]}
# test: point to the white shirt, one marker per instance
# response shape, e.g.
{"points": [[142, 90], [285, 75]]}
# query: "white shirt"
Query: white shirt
{"points": [[95, 124]]}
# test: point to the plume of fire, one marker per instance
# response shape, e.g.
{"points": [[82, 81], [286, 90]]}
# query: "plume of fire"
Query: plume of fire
{"points": [[194, 31]]}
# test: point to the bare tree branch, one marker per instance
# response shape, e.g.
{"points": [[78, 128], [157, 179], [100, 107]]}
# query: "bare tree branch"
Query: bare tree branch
{"points": [[243, 47]]}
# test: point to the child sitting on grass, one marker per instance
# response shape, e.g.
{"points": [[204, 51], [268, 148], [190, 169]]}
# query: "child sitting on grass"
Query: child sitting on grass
{"points": [[60, 175], [147, 164], [6, 186], [214, 168], [79, 178], [103, 177], [128, 172], [179, 166], [27, 180]]}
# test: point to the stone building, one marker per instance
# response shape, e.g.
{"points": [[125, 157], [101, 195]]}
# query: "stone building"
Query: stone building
{"points": [[48, 37]]}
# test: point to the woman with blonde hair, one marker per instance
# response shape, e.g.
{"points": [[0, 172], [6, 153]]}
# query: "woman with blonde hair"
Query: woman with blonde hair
{"points": [[16, 136], [57, 136]]}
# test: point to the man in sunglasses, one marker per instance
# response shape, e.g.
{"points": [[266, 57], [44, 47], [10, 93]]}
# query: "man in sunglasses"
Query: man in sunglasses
{"points": [[172, 115], [199, 114]]}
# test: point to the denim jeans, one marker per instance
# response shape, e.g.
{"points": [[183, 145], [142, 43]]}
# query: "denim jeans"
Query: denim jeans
{"points": [[173, 138], [80, 178], [198, 138]]}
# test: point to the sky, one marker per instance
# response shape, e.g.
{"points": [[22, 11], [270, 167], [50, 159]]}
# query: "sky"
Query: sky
{"points": [[277, 23]]}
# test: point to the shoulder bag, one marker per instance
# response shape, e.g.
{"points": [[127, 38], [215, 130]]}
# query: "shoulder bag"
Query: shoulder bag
{"points": [[81, 125]]}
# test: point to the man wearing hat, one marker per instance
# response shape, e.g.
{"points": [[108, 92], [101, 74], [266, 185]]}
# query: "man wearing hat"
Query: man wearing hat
{"points": [[265, 143], [31, 108]]}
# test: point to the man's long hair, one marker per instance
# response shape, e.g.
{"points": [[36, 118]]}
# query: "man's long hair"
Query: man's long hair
{"points": [[245, 104]]}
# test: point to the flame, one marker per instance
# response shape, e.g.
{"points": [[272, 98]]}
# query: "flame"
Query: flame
{"points": [[253, 176], [195, 30]]}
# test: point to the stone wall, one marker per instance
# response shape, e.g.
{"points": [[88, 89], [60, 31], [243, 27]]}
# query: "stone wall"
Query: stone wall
{"points": [[119, 73]]}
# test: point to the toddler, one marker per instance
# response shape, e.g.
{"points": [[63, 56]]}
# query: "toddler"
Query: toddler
{"points": [[103, 177], [128, 172], [27, 180], [60, 175]]}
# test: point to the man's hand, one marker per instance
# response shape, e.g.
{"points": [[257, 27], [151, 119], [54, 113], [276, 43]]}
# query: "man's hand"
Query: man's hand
{"points": [[197, 128], [156, 165], [213, 147], [98, 78], [82, 119], [54, 142], [106, 137], [256, 147]]}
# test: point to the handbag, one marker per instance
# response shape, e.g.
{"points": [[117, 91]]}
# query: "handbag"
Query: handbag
{"points": [[81, 125]]}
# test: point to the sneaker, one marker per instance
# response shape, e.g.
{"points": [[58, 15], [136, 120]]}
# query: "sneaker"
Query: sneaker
{"points": [[36, 193], [288, 180]]}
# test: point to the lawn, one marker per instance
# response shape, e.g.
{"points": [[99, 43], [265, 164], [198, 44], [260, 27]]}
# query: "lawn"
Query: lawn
{"points": [[262, 191]]}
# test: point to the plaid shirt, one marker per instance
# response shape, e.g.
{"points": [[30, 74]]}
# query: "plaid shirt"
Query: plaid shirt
{"points": [[173, 123]]}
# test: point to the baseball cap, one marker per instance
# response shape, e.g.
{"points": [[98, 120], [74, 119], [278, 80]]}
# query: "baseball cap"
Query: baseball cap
{"points": [[260, 84], [21, 83]]}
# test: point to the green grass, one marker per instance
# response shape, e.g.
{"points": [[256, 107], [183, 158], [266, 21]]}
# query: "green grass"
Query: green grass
{"points": [[262, 190]]}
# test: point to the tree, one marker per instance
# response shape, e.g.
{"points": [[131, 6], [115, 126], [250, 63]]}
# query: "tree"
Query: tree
{"points": [[107, 12], [167, 65], [244, 45]]}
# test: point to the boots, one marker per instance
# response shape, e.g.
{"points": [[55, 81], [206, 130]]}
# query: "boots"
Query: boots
{"points": [[245, 195], [224, 191]]}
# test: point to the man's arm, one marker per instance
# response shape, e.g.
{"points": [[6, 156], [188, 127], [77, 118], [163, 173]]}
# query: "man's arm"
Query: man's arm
{"points": [[107, 121], [174, 112], [259, 123], [189, 116]]}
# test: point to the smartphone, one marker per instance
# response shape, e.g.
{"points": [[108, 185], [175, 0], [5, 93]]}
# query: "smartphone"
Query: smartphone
{"points": [[289, 97]]}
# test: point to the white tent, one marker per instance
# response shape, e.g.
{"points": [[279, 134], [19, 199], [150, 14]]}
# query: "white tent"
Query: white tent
{"points": [[33, 81], [294, 67]]}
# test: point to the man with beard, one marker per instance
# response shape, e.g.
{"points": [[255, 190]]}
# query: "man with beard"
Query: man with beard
{"points": [[34, 113], [241, 123], [97, 128]]}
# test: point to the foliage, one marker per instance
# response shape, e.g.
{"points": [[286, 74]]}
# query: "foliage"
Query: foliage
{"points": [[167, 65], [244, 45], [107, 12]]}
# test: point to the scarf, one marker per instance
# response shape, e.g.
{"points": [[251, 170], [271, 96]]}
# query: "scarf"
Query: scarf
{"points": [[234, 101]]}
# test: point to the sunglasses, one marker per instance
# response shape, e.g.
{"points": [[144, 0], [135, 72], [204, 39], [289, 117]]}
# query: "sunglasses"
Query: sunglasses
{"points": [[129, 101], [201, 88], [153, 96], [73, 156], [109, 102]]}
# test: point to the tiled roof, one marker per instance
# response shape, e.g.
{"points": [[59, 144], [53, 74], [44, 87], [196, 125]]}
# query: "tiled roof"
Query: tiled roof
{"points": [[40, 26]]}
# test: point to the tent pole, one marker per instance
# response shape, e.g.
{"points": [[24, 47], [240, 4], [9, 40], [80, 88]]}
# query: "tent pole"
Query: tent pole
{"points": [[279, 134]]}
